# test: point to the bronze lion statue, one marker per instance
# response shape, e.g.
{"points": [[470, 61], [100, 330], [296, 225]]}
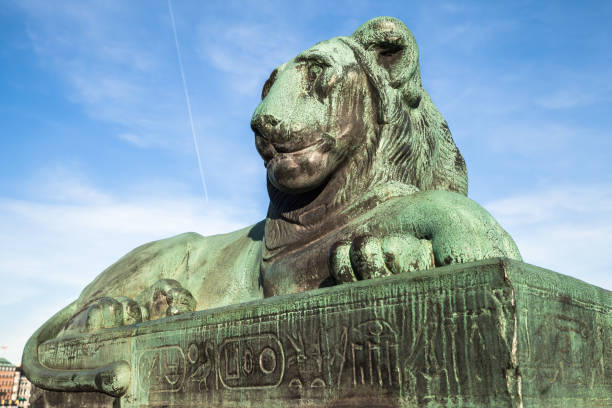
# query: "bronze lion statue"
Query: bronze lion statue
{"points": [[364, 181]]}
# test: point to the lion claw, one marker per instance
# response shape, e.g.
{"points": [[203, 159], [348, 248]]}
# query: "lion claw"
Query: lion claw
{"points": [[164, 298], [103, 313], [167, 298], [180, 300], [367, 257]]}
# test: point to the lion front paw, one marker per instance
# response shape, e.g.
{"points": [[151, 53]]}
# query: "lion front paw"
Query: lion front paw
{"points": [[104, 313], [368, 257], [166, 298]]}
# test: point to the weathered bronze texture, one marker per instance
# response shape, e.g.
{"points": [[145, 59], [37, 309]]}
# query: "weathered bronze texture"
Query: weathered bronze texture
{"points": [[495, 333], [364, 181]]}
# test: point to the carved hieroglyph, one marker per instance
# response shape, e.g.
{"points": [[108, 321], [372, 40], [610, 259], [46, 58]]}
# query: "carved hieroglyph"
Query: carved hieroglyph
{"points": [[364, 181], [494, 333]]}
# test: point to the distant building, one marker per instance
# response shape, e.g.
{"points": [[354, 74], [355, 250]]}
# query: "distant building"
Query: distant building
{"points": [[15, 388], [24, 391], [7, 379]]}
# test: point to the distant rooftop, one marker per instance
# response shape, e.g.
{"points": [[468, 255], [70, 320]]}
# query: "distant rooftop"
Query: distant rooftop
{"points": [[4, 362]]}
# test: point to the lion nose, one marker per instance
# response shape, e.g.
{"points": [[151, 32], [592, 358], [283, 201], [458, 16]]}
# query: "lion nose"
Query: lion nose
{"points": [[265, 125]]}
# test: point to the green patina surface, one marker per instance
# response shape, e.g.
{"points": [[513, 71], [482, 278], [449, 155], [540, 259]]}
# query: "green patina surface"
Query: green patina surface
{"points": [[365, 181], [494, 333]]}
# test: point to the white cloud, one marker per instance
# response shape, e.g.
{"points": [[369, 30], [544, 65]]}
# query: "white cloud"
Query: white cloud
{"points": [[133, 139], [566, 229], [247, 52], [58, 184], [117, 74], [524, 138], [100, 88], [79, 238], [41, 305], [55, 244], [567, 98]]}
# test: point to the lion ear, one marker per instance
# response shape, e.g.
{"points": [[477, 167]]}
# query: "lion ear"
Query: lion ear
{"points": [[393, 47]]}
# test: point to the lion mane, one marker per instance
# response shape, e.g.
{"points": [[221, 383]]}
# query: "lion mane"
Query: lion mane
{"points": [[413, 143]]}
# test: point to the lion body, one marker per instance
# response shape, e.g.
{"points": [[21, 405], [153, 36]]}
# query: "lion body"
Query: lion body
{"points": [[354, 148], [225, 269]]}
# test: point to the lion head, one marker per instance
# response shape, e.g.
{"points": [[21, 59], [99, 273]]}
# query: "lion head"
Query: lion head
{"points": [[344, 117]]}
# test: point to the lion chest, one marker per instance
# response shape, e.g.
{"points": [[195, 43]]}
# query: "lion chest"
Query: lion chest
{"points": [[305, 267]]}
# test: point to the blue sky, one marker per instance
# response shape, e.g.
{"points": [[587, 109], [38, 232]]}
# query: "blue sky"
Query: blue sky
{"points": [[97, 155]]}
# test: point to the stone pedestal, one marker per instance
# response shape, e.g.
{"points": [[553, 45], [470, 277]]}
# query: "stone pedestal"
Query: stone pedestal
{"points": [[494, 333]]}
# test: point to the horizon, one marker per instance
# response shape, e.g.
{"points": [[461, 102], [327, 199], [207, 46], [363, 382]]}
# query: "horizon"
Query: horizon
{"points": [[98, 155]]}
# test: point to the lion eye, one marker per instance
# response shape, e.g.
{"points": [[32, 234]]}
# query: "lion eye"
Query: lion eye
{"points": [[314, 71]]}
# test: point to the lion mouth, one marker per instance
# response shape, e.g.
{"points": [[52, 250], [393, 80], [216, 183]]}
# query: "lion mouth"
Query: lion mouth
{"points": [[269, 150], [289, 148]]}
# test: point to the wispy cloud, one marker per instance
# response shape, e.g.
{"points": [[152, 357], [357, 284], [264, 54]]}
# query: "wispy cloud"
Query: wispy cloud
{"points": [[568, 98], [113, 71], [566, 229], [96, 225], [246, 52], [63, 184], [56, 243], [133, 139], [524, 138]]}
